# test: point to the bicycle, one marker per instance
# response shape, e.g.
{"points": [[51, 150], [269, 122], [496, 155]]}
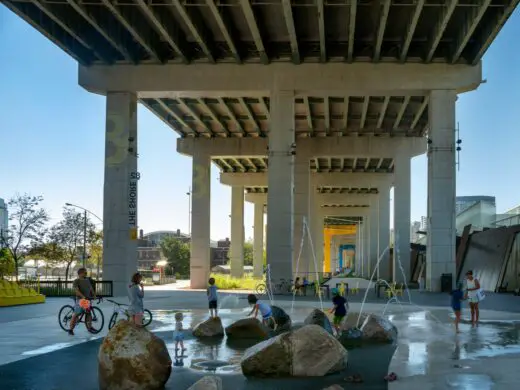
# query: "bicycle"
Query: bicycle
{"points": [[282, 287], [92, 316], [118, 309]]}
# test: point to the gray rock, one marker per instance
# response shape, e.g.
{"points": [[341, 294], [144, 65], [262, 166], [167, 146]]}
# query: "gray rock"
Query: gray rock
{"points": [[308, 351], [283, 321], [132, 358], [208, 382], [212, 327], [372, 328], [334, 387], [247, 328], [317, 317]]}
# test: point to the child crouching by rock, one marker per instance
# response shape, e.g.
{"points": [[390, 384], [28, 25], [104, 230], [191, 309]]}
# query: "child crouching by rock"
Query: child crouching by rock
{"points": [[264, 309]]}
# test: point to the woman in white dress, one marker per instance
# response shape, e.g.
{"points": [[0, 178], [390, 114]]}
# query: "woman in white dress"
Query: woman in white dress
{"points": [[472, 289]]}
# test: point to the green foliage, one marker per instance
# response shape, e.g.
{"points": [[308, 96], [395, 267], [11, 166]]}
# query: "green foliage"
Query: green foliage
{"points": [[7, 266], [49, 251], [68, 235], [226, 282], [26, 224], [95, 250], [248, 253], [177, 254]]}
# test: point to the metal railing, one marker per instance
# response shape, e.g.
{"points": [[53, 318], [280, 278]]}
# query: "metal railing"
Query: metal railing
{"points": [[60, 288]]}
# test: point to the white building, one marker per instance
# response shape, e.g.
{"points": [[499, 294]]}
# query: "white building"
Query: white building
{"points": [[4, 219], [479, 211], [508, 218]]}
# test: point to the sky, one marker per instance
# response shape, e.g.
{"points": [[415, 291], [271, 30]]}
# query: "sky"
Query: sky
{"points": [[52, 137]]}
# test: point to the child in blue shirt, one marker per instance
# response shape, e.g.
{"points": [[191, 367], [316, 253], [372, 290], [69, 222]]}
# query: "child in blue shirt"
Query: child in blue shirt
{"points": [[211, 292], [457, 296], [264, 309]]}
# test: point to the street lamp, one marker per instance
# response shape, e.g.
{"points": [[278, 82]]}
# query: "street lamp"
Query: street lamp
{"points": [[85, 211], [189, 211]]}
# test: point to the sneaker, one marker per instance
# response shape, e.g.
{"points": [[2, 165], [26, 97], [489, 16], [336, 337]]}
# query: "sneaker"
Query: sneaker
{"points": [[71, 332]]}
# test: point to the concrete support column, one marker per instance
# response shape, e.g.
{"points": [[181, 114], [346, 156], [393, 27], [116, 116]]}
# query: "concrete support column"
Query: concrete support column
{"points": [[301, 212], [402, 194], [366, 235], [120, 191], [281, 186], [258, 240], [236, 251], [384, 233], [316, 231], [440, 247], [200, 219], [373, 232]]}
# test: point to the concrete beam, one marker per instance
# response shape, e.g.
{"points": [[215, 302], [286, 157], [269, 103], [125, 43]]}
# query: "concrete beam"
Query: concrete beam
{"points": [[334, 179], [201, 80], [344, 199], [345, 211], [357, 199], [312, 147]]}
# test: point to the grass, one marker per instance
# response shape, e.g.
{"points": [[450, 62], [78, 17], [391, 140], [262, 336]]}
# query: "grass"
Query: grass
{"points": [[226, 282]]}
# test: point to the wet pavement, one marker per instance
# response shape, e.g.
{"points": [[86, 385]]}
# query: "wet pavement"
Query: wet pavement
{"points": [[429, 354]]}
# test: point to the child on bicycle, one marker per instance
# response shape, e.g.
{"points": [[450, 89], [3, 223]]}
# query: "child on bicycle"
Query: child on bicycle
{"points": [[212, 298], [84, 293], [135, 296], [178, 336], [264, 309]]}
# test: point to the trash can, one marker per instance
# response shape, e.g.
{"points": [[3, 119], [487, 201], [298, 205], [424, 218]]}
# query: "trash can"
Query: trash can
{"points": [[446, 282]]}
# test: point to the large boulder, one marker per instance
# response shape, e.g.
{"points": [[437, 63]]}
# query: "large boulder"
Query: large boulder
{"points": [[317, 317], [248, 328], [308, 351], [283, 321], [372, 328], [208, 382], [131, 358], [212, 327]]}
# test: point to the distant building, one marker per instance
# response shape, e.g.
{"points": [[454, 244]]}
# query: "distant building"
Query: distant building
{"points": [[415, 228], [424, 223], [149, 251], [477, 211], [508, 218], [4, 220]]}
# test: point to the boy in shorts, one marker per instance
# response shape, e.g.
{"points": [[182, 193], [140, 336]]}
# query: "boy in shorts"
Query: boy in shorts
{"points": [[212, 298], [264, 309], [339, 310]]}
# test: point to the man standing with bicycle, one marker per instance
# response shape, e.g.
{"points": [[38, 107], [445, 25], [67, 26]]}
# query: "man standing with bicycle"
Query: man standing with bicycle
{"points": [[84, 294]]}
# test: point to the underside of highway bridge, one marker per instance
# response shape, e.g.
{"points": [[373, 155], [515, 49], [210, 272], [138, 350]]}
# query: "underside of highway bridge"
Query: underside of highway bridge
{"points": [[315, 106]]}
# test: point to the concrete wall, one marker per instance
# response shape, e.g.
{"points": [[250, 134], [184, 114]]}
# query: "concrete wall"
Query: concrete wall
{"points": [[486, 255]]}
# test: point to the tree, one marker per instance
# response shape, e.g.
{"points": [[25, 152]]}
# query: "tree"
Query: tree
{"points": [[96, 251], [177, 254], [49, 251], [26, 224], [6, 262], [248, 252], [68, 235]]}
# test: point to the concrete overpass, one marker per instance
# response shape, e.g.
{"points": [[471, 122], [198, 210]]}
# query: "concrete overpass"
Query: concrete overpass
{"points": [[307, 88]]}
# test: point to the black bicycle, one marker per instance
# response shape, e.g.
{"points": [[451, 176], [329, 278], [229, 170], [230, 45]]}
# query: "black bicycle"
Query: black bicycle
{"points": [[121, 308], [92, 317]]}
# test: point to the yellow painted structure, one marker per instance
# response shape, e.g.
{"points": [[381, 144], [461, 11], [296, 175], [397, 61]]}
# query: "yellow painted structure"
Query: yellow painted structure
{"points": [[328, 232], [11, 294]]}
